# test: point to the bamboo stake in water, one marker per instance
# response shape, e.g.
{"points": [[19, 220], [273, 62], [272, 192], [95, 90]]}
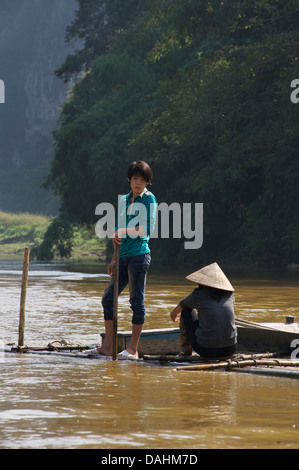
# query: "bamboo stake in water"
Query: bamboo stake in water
{"points": [[23, 297], [115, 301]]}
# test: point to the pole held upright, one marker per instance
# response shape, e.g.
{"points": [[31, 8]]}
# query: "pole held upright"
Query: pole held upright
{"points": [[23, 297], [115, 302]]}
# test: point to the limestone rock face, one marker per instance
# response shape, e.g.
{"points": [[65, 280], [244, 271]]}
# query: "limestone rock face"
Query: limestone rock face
{"points": [[32, 47]]}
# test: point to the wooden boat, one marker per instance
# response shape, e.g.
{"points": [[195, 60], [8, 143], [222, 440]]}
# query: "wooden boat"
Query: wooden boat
{"points": [[252, 337], [265, 337]]}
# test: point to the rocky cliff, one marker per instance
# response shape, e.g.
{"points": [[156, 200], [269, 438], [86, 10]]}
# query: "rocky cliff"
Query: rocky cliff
{"points": [[32, 46]]}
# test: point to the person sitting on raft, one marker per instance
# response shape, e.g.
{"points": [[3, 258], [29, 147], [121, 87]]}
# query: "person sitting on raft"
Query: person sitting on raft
{"points": [[207, 322]]}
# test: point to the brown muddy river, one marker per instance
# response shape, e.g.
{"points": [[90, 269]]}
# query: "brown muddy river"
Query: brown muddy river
{"points": [[61, 402]]}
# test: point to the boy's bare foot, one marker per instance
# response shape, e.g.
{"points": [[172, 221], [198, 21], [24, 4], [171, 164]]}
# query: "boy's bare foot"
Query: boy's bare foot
{"points": [[98, 352], [104, 351]]}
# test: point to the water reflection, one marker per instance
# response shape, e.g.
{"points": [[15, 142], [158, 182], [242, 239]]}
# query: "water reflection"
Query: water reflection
{"points": [[61, 402]]}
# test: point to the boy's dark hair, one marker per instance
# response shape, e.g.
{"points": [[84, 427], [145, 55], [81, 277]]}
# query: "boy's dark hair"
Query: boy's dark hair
{"points": [[140, 168]]}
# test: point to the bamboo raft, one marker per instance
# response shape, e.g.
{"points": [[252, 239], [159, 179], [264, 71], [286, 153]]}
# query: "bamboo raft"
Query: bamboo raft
{"points": [[252, 337], [161, 346], [260, 365], [271, 364]]}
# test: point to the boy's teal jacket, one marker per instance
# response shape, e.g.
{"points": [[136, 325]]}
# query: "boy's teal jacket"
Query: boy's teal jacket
{"points": [[143, 212]]}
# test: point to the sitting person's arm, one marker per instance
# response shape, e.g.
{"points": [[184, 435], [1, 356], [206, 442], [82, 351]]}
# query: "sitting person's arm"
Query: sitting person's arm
{"points": [[175, 312]]}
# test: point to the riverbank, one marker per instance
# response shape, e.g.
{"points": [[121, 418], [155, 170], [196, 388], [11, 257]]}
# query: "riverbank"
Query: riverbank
{"points": [[18, 231]]}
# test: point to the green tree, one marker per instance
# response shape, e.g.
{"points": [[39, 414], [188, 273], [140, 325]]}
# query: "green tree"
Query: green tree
{"points": [[57, 242], [225, 129], [104, 110], [95, 26], [201, 90]]}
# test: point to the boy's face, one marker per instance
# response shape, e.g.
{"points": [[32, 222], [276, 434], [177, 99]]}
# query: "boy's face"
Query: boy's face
{"points": [[137, 183]]}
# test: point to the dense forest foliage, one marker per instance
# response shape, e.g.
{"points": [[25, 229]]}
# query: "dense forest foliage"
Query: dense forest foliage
{"points": [[201, 91]]}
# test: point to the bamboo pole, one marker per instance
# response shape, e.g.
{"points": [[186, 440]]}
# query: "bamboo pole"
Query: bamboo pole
{"points": [[115, 302], [170, 358], [200, 360], [228, 365], [23, 297], [49, 348]]}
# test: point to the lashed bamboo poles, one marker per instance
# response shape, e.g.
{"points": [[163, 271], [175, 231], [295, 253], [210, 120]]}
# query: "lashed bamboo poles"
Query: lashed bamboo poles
{"points": [[230, 364], [198, 359]]}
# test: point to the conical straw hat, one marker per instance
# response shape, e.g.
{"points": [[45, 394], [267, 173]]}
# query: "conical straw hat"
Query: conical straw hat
{"points": [[211, 276]]}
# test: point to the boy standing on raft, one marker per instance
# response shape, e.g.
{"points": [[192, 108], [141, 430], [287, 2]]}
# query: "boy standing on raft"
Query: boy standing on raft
{"points": [[134, 257], [207, 322]]}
